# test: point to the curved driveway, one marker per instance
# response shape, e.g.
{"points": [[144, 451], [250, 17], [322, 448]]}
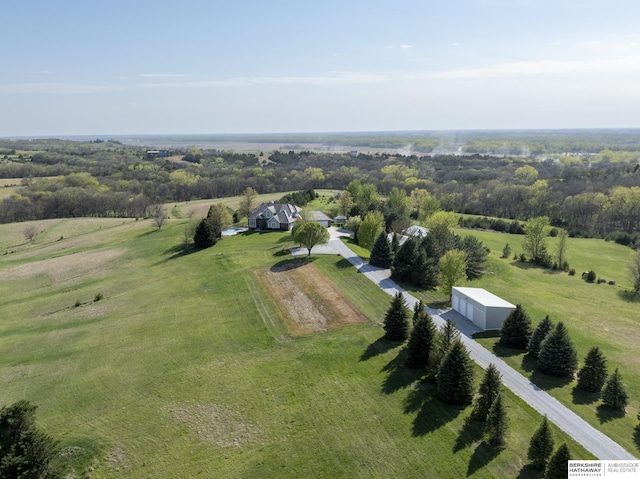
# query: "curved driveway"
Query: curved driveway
{"points": [[582, 432]]}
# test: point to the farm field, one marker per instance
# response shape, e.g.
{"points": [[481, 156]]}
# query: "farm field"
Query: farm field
{"points": [[184, 367], [595, 314]]}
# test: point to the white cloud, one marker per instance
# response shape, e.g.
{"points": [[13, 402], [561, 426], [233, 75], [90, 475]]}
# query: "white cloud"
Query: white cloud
{"points": [[405, 47], [543, 67], [57, 88]]}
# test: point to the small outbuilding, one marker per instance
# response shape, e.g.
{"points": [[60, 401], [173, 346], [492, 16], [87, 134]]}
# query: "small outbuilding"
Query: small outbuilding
{"points": [[482, 308]]}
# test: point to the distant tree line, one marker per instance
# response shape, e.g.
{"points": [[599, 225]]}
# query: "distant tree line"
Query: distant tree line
{"points": [[588, 196]]}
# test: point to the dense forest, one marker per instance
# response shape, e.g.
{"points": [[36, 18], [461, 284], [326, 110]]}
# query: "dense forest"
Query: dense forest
{"points": [[592, 189]]}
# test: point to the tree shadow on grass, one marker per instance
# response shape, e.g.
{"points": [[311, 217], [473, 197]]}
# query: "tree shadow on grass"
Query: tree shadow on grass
{"points": [[530, 472], [398, 375], [471, 432], [482, 456], [504, 351], [343, 263], [636, 436], [546, 382], [291, 263], [379, 346], [432, 413], [178, 251], [529, 363], [606, 414], [629, 296], [581, 396]]}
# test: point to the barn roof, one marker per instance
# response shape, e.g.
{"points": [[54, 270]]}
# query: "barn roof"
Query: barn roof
{"points": [[484, 297]]}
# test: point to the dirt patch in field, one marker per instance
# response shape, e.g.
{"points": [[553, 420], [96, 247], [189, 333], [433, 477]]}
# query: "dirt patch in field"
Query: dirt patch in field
{"points": [[116, 459], [215, 424], [308, 302], [63, 269]]}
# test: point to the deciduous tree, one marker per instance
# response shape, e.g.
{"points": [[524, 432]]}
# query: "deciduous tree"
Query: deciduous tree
{"points": [[516, 329], [455, 375], [593, 373], [345, 203], [309, 234], [396, 320], [562, 247], [558, 355], [453, 266], [219, 218], [370, 228], [535, 240], [541, 445], [634, 271], [247, 202]]}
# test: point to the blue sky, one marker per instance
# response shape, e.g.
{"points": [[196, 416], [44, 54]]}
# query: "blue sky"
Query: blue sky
{"points": [[145, 67]]}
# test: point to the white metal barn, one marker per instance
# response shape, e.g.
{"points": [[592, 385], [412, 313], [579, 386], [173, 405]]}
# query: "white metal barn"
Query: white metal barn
{"points": [[482, 308]]}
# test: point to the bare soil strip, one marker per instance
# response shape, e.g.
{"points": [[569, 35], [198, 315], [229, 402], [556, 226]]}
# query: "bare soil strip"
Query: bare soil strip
{"points": [[308, 302]]}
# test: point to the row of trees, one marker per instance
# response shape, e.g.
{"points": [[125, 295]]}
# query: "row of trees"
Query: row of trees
{"points": [[586, 198], [556, 355], [443, 355]]}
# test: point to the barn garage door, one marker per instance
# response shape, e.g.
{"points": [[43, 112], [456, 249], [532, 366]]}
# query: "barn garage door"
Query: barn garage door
{"points": [[456, 304], [469, 314]]}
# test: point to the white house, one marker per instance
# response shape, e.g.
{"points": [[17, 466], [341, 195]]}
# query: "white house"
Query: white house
{"points": [[482, 308]]}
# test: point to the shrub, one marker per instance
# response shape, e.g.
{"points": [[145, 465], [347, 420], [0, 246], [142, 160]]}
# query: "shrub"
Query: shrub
{"points": [[572, 272], [98, 297], [591, 276], [78, 303]]}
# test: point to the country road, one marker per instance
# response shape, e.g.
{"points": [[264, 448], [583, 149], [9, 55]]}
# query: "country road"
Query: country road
{"points": [[582, 432]]}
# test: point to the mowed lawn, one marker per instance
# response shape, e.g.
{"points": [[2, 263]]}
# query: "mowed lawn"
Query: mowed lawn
{"points": [[183, 368], [601, 315]]}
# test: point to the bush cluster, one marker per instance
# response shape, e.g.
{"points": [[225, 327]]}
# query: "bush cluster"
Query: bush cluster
{"points": [[495, 224]]}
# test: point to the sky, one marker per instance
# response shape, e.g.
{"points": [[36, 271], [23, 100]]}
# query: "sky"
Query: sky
{"points": [[85, 67]]}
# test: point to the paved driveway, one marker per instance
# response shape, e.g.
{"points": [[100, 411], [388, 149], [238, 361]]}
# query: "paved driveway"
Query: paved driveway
{"points": [[593, 440]]}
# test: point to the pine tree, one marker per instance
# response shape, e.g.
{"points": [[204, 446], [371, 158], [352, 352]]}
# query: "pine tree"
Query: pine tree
{"points": [[455, 375], [558, 467], [558, 355], [418, 309], [539, 333], [395, 243], [396, 321], [381, 253], [487, 392], [541, 445], [593, 373], [205, 235], [516, 329], [421, 341], [614, 394], [447, 335], [495, 428]]}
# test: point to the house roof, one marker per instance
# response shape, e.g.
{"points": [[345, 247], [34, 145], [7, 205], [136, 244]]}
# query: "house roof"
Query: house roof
{"points": [[416, 231], [285, 212], [484, 297], [315, 215]]}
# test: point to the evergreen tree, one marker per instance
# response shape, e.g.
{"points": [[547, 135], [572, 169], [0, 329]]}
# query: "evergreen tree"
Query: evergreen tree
{"points": [[381, 253], [395, 243], [421, 341], [447, 335], [487, 392], [541, 445], [418, 310], [477, 254], [542, 329], [25, 451], [455, 375], [516, 329], [396, 321], [593, 373], [614, 394], [205, 235], [506, 251], [410, 264], [558, 467], [495, 428], [558, 355]]}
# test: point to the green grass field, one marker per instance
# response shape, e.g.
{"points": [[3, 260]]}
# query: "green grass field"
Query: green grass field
{"points": [[595, 314], [184, 370]]}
